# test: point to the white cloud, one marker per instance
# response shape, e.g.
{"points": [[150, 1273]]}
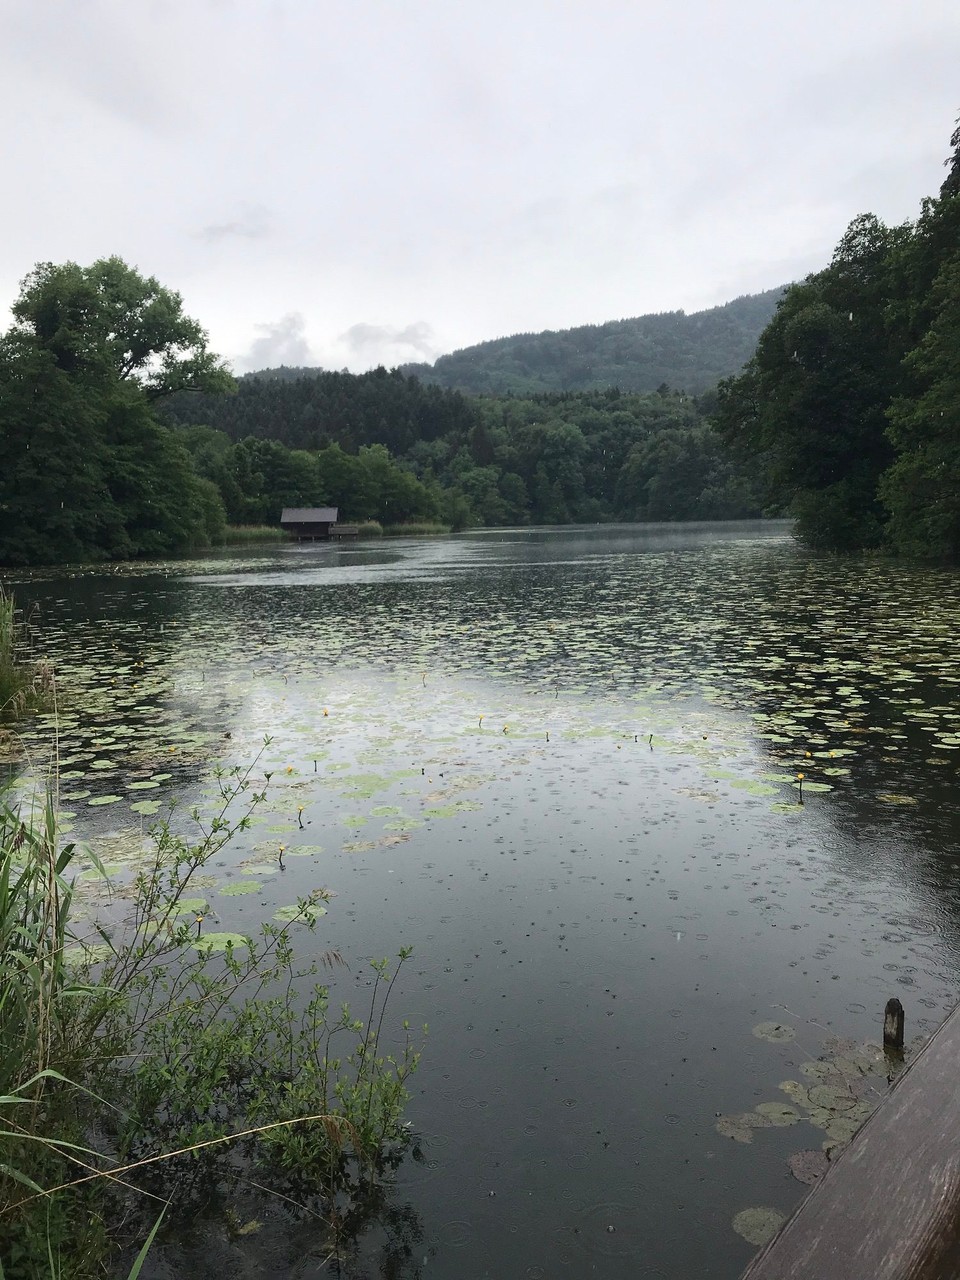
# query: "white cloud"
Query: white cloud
{"points": [[281, 342], [489, 167]]}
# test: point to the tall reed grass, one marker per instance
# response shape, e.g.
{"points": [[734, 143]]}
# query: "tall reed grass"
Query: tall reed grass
{"points": [[25, 684], [131, 1057], [239, 534]]}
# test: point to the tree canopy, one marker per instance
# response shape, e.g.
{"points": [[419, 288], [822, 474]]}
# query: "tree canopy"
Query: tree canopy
{"points": [[89, 472], [850, 402], [691, 352]]}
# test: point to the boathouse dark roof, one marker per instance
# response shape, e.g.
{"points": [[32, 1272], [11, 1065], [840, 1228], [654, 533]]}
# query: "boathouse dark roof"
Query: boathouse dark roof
{"points": [[309, 515]]}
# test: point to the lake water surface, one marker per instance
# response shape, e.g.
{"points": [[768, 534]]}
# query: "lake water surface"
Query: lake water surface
{"points": [[562, 766]]}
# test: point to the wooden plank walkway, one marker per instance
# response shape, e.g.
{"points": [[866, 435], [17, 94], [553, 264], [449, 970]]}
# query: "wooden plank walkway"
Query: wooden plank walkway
{"points": [[889, 1209]]}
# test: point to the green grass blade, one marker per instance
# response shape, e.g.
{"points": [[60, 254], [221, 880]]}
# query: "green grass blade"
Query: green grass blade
{"points": [[142, 1255]]}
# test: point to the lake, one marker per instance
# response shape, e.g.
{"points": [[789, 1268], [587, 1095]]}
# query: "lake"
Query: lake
{"points": [[562, 766]]}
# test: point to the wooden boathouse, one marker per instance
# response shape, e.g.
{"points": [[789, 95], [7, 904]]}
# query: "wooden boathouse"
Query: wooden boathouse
{"points": [[313, 523]]}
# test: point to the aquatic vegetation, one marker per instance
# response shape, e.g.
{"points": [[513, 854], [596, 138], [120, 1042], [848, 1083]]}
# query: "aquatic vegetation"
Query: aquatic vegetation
{"points": [[148, 1035], [716, 702], [840, 1091], [758, 1225], [26, 684], [243, 534]]}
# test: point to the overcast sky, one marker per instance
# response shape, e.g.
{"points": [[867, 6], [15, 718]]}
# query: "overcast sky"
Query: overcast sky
{"points": [[354, 182]]}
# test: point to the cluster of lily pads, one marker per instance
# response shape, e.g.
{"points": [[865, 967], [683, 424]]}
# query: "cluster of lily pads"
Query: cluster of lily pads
{"points": [[836, 1093], [779, 693]]}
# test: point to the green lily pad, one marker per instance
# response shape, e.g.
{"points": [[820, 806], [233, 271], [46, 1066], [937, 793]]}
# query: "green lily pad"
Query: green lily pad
{"points": [[758, 1225], [213, 942], [778, 1114], [312, 911], [733, 1127], [102, 800], [798, 1092], [776, 1032], [87, 953], [831, 1098], [191, 906], [808, 1167], [452, 810], [753, 787], [237, 887], [842, 1129]]}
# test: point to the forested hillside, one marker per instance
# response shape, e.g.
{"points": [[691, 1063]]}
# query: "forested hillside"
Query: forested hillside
{"points": [[852, 401], [690, 352], [122, 435], [546, 459]]}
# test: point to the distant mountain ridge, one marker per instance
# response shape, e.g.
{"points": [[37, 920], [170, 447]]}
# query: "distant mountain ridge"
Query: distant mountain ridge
{"points": [[689, 352]]}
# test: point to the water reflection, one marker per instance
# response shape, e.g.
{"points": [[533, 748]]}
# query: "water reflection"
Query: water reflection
{"points": [[561, 765]]}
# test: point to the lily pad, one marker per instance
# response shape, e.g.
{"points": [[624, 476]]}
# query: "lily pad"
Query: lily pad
{"points": [[833, 1099], [735, 1128], [87, 953], [296, 911], [191, 906], [758, 1225], [778, 1114], [754, 788], [798, 1092], [237, 887], [842, 1129], [808, 1167], [212, 942], [776, 1032]]}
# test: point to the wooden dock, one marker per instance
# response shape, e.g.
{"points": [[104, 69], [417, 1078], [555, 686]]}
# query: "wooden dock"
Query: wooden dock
{"points": [[889, 1209]]}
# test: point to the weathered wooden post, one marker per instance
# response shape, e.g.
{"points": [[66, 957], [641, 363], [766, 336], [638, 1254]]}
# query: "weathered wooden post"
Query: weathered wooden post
{"points": [[893, 1025]]}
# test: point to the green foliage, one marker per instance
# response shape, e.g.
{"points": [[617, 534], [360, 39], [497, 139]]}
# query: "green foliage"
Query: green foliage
{"points": [[239, 534], [92, 472], [25, 684], [107, 322], [135, 1045], [678, 350], [89, 473], [850, 402], [309, 409], [922, 489], [548, 460], [812, 400]]}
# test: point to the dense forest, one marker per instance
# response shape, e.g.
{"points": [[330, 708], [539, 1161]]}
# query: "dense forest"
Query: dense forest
{"points": [[692, 352], [547, 459], [122, 435], [851, 403]]}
